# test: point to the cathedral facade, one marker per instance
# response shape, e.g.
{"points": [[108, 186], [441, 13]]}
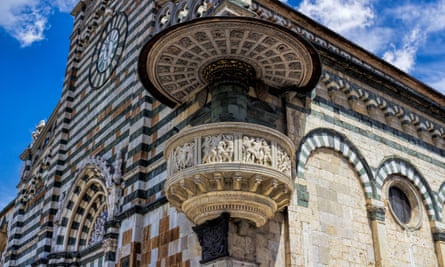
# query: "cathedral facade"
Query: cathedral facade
{"points": [[228, 133]]}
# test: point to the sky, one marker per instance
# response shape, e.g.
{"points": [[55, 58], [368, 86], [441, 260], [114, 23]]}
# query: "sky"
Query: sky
{"points": [[34, 40]]}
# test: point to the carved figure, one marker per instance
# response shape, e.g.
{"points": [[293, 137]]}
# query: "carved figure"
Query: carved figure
{"points": [[229, 148], [38, 130], [99, 228], [218, 149], [225, 149], [267, 153], [256, 150], [210, 153], [173, 12], [116, 177], [183, 156], [283, 162], [60, 206], [114, 194], [247, 151]]}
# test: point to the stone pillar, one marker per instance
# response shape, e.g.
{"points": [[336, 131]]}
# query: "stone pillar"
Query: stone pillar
{"points": [[376, 215], [229, 103], [109, 243], [229, 82], [300, 232], [438, 230]]}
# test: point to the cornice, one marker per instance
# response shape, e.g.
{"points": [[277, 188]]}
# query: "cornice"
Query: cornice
{"points": [[335, 84]]}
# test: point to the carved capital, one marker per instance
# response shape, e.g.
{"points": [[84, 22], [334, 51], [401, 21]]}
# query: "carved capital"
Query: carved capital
{"points": [[376, 210]]}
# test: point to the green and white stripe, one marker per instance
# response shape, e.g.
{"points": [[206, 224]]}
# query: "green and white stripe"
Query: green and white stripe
{"points": [[406, 169], [327, 138]]}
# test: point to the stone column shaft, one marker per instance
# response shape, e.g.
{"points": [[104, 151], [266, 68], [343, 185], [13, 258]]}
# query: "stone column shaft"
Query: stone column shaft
{"points": [[376, 214]]}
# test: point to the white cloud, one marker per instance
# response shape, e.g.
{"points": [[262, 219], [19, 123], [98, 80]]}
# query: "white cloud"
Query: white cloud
{"points": [[373, 39], [404, 57], [409, 35], [433, 74], [353, 19], [27, 20], [429, 16], [340, 15], [417, 23], [65, 5], [438, 83]]}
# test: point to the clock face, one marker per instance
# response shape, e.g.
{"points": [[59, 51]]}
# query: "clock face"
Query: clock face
{"points": [[108, 50]]}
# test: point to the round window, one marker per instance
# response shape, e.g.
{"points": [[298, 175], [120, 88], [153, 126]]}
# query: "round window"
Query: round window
{"points": [[404, 202], [400, 204]]}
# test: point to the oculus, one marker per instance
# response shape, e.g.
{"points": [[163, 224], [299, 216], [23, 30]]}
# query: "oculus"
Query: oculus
{"points": [[400, 204], [404, 203]]}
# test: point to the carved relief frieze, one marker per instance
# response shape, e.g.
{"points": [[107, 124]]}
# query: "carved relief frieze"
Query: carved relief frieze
{"points": [[241, 168], [98, 231], [226, 148], [256, 150], [283, 161], [183, 156], [218, 148]]}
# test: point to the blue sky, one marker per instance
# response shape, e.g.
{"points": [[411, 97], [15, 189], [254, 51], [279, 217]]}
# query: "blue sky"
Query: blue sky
{"points": [[34, 38]]}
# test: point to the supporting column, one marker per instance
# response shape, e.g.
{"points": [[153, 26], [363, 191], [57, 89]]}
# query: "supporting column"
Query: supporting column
{"points": [[376, 215], [229, 82], [300, 232], [109, 243], [438, 230]]}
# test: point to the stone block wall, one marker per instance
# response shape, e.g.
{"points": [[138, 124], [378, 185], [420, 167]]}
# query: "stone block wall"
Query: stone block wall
{"points": [[334, 231]]}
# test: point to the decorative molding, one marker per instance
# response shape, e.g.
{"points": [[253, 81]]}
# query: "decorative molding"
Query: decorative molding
{"points": [[174, 12], [94, 193], [353, 92], [376, 213], [328, 138], [102, 168], [405, 168], [441, 194]]}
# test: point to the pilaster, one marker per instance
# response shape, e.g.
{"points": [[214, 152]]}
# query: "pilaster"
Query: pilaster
{"points": [[376, 215], [438, 230]]}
